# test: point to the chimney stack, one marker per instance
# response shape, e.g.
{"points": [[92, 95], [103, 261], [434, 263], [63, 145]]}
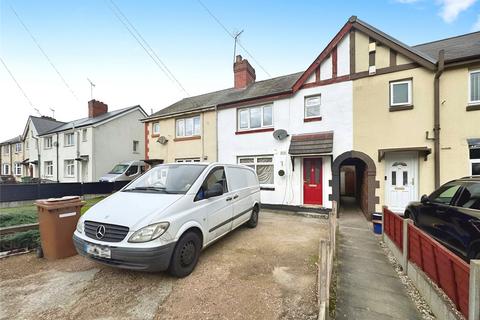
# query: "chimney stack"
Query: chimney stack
{"points": [[96, 108], [244, 74]]}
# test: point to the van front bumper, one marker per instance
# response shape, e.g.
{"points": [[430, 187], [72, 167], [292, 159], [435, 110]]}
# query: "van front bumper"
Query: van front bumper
{"points": [[143, 259]]}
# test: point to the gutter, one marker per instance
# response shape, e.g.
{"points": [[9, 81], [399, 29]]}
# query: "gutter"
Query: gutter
{"points": [[436, 116]]}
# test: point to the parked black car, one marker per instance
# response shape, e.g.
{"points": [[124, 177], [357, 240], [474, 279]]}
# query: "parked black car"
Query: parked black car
{"points": [[451, 215]]}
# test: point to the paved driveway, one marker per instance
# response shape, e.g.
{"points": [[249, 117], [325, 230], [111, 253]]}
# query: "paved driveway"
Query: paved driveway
{"points": [[263, 273]]}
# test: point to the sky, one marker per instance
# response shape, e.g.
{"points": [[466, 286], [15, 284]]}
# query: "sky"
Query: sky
{"points": [[80, 40]]}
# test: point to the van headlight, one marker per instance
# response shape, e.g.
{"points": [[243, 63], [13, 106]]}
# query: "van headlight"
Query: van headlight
{"points": [[80, 226], [150, 232]]}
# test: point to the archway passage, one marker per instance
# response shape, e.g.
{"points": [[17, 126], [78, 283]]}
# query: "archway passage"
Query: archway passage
{"points": [[353, 178]]}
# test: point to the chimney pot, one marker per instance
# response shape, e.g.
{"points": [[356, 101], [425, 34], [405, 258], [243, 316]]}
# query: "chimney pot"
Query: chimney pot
{"points": [[244, 73], [96, 108]]}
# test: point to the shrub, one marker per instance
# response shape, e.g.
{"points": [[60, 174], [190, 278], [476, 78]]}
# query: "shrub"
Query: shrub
{"points": [[21, 240]]}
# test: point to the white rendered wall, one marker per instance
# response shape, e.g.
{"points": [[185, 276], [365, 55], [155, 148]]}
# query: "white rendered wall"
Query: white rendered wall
{"points": [[336, 112]]}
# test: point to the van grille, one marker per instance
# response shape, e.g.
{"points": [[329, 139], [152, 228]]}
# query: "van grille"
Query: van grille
{"points": [[113, 232]]}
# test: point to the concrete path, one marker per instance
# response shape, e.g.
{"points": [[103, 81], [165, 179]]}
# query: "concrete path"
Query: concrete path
{"points": [[368, 286]]}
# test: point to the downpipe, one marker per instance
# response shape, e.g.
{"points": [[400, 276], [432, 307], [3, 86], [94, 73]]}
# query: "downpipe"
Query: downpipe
{"points": [[436, 116]]}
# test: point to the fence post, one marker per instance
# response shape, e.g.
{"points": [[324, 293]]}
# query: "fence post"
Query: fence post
{"points": [[405, 246], [322, 277], [474, 291], [383, 223]]}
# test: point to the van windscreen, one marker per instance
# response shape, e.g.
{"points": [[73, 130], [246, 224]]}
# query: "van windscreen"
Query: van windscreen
{"points": [[167, 178], [119, 169]]}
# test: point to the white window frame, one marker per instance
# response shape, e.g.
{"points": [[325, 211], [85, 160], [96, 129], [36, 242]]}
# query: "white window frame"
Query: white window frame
{"points": [[7, 171], [17, 168], [255, 163], [48, 168], [48, 142], [67, 142], [18, 147], [183, 122], [262, 125], [472, 161], [84, 135], [187, 160], [409, 84], [156, 127], [470, 87], [319, 96], [69, 165]]}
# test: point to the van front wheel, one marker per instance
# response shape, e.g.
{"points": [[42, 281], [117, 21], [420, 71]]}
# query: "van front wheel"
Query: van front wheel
{"points": [[252, 223], [185, 256]]}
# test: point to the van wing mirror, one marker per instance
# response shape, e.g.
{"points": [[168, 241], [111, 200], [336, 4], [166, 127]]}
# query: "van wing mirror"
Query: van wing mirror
{"points": [[214, 191], [424, 199]]}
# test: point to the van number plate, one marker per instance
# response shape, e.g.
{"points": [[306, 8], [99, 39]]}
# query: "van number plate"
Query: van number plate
{"points": [[98, 251]]}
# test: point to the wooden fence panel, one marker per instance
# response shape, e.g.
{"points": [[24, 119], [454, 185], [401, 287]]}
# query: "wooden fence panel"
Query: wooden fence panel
{"points": [[444, 268], [393, 227]]}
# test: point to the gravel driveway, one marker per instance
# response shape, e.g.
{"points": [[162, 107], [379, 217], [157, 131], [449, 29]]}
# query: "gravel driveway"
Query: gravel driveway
{"points": [[263, 273]]}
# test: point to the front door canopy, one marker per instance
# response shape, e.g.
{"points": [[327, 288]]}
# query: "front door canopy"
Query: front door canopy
{"points": [[424, 151], [311, 144]]}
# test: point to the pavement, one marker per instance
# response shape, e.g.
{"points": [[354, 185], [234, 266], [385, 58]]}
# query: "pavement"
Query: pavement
{"points": [[367, 285], [264, 273]]}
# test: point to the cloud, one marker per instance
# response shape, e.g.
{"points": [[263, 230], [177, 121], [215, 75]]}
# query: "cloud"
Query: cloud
{"points": [[476, 26], [452, 8]]}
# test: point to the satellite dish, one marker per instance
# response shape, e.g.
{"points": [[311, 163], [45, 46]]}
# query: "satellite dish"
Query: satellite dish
{"points": [[280, 134], [162, 140]]}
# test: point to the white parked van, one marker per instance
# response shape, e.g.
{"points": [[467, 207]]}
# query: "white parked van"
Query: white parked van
{"points": [[164, 218], [125, 171]]}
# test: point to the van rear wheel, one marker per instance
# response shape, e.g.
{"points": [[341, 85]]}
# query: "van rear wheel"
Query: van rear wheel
{"points": [[252, 223], [185, 256]]}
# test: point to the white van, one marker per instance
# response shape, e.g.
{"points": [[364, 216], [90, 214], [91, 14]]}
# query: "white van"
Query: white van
{"points": [[164, 218], [125, 171]]}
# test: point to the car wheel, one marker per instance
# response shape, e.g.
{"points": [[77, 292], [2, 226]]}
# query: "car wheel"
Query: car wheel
{"points": [[252, 223], [185, 256]]}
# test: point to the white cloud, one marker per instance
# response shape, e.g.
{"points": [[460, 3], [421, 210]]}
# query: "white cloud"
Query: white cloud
{"points": [[452, 8], [476, 25]]}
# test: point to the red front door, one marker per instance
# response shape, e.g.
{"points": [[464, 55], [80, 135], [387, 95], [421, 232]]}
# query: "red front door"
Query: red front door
{"points": [[312, 181]]}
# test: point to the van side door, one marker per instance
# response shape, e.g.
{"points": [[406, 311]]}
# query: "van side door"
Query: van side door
{"points": [[218, 210], [240, 182]]}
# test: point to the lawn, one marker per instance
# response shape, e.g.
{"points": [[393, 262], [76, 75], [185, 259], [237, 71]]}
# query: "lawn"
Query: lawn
{"points": [[28, 214]]}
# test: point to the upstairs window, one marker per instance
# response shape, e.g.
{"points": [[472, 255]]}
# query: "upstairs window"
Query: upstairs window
{"points": [[6, 149], [69, 139], [255, 117], [84, 135], [47, 142], [401, 93], [188, 127], [135, 146], [312, 107], [474, 84], [18, 147], [156, 128]]}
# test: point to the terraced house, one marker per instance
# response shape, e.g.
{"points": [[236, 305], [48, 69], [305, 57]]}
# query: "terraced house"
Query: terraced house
{"points": [[371, 118], [11, 157]]}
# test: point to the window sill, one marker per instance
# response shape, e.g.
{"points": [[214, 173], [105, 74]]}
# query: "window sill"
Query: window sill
{"points": [[267, 188], [400, 108], [312, 119], [155, 135], [255, 131], [187, 138], [473, 107]]}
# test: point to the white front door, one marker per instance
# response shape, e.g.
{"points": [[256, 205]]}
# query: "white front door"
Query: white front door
{"points": [[401, 182]]}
